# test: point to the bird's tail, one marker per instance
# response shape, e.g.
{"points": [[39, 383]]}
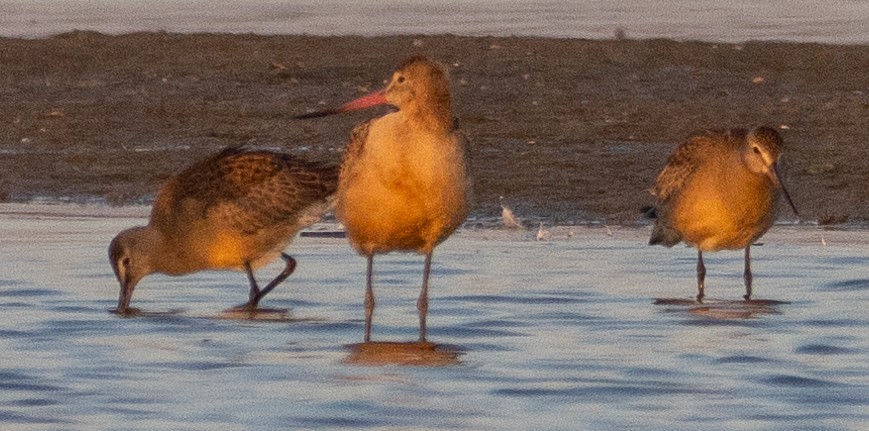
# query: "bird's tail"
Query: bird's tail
{"points": [[649, 211], [661, 233], [664, 236]]}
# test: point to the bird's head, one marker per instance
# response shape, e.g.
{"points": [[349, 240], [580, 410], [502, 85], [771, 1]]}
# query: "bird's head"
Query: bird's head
{"points": [[418, 84], [419, 81], [130, 260], [763, 147]]}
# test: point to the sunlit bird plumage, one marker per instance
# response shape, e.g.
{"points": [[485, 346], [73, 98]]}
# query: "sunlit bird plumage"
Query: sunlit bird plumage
{"points": [[718, 192], [405, 183], [237, 210]]}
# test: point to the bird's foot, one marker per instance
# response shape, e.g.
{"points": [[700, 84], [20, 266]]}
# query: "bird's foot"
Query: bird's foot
{"points": [[246, 307], [128, 312]]}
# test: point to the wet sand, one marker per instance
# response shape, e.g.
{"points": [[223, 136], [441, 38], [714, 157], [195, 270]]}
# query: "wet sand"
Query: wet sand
{"points": [[568, 130]]}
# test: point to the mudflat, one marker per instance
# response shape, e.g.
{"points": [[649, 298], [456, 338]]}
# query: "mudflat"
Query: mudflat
{"points": [[568, 130]]}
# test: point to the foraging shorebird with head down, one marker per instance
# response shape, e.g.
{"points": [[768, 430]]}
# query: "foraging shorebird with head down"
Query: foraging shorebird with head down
{"points": [[717, 192], [237, 210], [405, 183]]}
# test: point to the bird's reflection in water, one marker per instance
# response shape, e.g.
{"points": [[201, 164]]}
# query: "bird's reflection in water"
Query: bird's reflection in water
{"points": [[129, 312], [264, 314], [278, 314], [412, 353], [138, 312], [719, 309]]}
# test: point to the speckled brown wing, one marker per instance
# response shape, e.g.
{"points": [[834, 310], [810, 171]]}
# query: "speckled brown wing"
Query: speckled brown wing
{"points": [[247, 190], [354, 149], [682, 164]]}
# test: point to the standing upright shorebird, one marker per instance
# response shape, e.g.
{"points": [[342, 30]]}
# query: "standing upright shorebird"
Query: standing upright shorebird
{"points": [[404, 183], [717, 192], [236, 210]]}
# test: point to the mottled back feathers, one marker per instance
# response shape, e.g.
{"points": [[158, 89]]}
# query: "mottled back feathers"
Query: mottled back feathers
{"points": [[689, 156], [249, 190], [355, 147]]}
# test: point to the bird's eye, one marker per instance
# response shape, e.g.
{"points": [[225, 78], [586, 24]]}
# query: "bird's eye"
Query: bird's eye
{"points": [[756, 150], [125, 262], [400, 79]]}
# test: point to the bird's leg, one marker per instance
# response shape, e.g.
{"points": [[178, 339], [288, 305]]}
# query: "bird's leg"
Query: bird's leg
{"points": [[254, 289], [288, 269], [701, 277], [422, 302], [369, 299], [747, 274]]}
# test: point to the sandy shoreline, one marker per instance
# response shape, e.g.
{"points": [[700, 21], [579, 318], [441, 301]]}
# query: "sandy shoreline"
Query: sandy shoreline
{"points": [[568, 130]]}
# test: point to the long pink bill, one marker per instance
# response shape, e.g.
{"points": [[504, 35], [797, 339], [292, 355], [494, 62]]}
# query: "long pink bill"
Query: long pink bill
{"points": [[367, 101]]}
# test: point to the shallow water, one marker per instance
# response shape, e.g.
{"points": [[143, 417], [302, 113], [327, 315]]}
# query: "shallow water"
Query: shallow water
{"points": [[559, 334], [837, 21]]}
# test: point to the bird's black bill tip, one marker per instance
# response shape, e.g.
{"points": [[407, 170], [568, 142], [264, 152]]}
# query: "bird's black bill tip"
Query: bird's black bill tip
{"points": [[317, 114], [790, 201], [776, 180]]}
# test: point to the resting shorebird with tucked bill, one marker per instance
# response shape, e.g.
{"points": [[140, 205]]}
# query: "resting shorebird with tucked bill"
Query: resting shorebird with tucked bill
{"points": [[405, 183], [717, 192], [237, 210]]}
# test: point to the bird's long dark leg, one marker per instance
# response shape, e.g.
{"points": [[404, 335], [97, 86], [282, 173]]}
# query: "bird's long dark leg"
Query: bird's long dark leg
{"points": [[288, 269], [747, 274], [254, 288], [369, 298], [422, 302], [701, 277]]}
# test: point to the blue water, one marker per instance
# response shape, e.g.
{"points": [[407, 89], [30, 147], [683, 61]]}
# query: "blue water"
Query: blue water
{"points": [[835, 21], [560, 334]]}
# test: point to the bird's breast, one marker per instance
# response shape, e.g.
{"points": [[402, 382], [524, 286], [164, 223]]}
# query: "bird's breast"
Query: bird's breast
{"points": [[728, 214], [407, 191]]}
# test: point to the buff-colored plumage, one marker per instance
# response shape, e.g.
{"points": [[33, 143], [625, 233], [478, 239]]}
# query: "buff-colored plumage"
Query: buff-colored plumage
{"points": [[718, 192], [237, 210], [405, 183]]}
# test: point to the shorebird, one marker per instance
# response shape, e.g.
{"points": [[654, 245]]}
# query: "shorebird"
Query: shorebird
{"points": [[717, 192], [405, 183], [236, 210]]}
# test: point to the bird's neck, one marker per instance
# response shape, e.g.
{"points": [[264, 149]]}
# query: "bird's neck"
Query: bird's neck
{"points": [[161, 256], [434, 115]]}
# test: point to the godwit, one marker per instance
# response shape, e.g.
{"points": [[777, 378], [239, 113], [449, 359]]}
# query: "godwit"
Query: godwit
{"points": [[236, 210], [717, 192], [405, 182]]}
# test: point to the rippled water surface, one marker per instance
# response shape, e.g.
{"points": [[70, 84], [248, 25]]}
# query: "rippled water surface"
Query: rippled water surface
{"points": [[558, 334]]}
